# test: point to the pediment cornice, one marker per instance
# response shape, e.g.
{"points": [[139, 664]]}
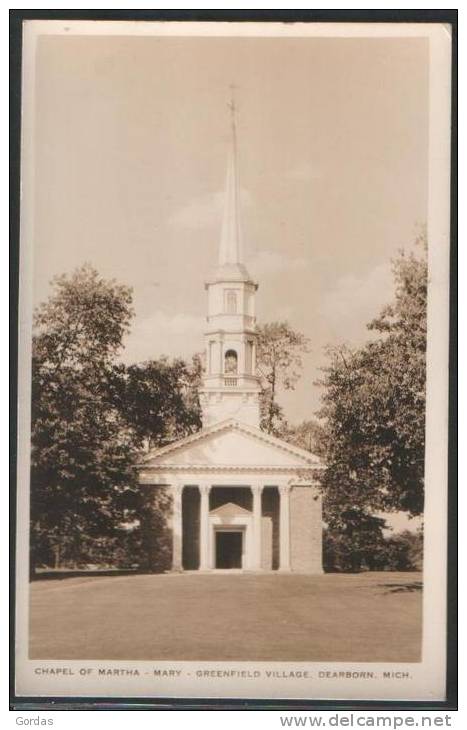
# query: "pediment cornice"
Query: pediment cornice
{"points": [[220, 468], [305, 458]]}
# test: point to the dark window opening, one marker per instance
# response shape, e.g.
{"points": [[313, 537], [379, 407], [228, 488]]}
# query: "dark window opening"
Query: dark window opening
{"points": [[230, 362]]}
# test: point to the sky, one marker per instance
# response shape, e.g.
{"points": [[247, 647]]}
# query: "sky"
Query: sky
{"points": [[131, 143]]}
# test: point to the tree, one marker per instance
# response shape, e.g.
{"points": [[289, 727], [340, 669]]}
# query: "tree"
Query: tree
{"points": [[370, 549], [279, 363], [91, 418], [307, 435], [155, 531], [373, 408], [82, 450], [400, 356], [159, 400], [355, 543], [403, 551]]}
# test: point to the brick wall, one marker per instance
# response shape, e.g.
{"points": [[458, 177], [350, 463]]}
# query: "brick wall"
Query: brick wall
{"points": [[305, 530]]}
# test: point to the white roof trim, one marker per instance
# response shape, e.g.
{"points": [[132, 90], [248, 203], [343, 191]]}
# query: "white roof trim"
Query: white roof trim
{"points": [[230, 425]]}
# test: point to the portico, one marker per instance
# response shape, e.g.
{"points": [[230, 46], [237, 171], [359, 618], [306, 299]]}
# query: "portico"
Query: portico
{"points": [[251, 525]]}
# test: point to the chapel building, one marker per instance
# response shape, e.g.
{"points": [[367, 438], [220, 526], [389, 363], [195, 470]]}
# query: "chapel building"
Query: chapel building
{"points": [[240, 499]]}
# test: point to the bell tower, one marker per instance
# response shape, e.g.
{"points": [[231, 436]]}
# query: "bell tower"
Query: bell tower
{"points": [[230, 387]]}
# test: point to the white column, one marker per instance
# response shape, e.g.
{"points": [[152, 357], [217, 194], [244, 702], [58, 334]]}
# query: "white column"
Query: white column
{"points": [[284, 528], [204, 562], [177, 527], [256, 558], [221, 358], [242, 358]]}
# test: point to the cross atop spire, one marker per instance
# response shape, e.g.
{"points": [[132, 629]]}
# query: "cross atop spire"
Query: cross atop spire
{"points": [[232, 106], [230, 251]]}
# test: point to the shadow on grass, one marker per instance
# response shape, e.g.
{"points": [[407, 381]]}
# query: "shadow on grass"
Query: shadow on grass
{"points": [[64, 574], [402, 587]]}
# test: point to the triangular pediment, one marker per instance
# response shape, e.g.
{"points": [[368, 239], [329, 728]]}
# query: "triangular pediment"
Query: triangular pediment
{"points": [[231, 444], [230, 509]]}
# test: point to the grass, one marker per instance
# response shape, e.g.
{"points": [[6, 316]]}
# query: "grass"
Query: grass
{"points": [[369, 617]]}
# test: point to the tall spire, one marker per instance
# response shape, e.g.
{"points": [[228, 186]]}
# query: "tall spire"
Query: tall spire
{"points": [[230, 251]]}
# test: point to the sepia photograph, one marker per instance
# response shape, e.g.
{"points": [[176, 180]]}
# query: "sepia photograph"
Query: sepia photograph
{"points": [[233, 360]]}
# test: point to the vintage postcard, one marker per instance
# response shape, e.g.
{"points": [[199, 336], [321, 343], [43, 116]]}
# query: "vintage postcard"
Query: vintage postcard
{"points": [[233, 360]]}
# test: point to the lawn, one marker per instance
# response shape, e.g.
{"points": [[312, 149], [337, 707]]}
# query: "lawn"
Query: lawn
{"points": [[275, 617]]}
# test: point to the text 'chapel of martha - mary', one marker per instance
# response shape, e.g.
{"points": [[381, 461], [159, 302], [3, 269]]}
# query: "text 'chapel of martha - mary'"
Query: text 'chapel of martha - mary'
{"points": [[240, 499]]}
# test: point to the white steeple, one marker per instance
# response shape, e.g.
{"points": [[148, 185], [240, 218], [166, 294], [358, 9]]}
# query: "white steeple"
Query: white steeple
{"points": [[230, 262], [231, 388], [230, 250]]}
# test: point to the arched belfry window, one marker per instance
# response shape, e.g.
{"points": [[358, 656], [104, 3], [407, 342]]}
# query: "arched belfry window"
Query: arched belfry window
{"points": [[230, 301], [230, 362]]}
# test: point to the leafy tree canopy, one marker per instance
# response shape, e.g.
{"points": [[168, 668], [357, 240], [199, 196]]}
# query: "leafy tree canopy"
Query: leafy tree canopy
{"points": [[81, 326], [160, 400], [307, 435], [279, 362], [373, 407], [81, 447], [91, 416]]}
